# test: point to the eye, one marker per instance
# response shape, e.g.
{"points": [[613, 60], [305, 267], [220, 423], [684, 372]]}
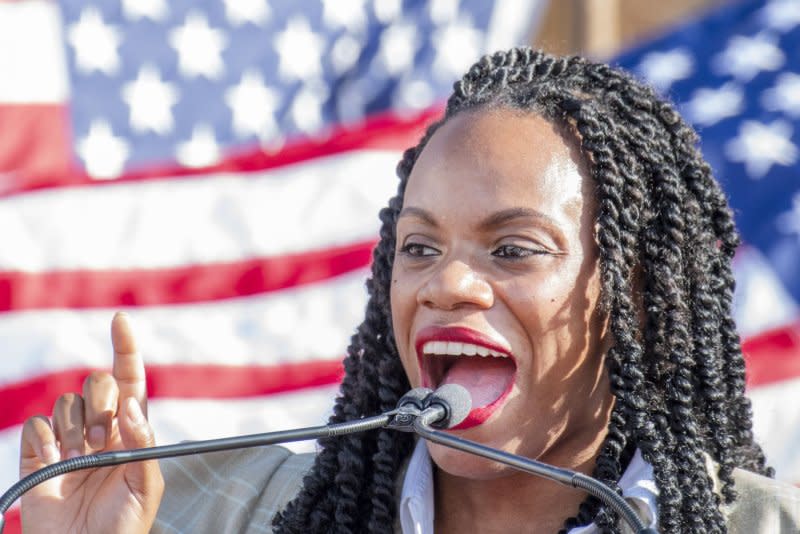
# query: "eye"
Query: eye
{"points": [[515, 252], [417, 250]]}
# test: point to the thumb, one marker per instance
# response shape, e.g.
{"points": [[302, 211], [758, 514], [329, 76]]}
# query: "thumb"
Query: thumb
{"points": [[143, 478]]}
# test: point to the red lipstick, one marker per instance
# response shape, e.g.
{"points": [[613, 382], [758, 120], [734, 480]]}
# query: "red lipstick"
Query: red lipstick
{"points": [[435, 368]]}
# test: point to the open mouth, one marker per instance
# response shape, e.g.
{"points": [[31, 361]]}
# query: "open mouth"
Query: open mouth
{"points": [[462, 356]]}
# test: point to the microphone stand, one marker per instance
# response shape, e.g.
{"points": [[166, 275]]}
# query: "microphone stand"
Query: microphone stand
{"points": [[421, 425], [108, 458]]}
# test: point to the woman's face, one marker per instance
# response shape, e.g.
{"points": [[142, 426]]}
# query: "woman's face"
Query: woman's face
{"points": [[495, 286]]}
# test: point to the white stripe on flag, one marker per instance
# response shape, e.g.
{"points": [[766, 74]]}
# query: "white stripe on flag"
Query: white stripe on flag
{"points": [[224, 217], [301, 324], [761, 302], [776, 425], [32, 62], [179, 420]]}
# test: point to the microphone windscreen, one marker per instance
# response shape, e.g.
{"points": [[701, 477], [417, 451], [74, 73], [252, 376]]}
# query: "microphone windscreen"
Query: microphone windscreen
{"points": [[457, 400], [417, 397]]}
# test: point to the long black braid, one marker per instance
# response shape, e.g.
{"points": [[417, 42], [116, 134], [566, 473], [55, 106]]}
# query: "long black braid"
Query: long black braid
{"points": [[666, 239]]}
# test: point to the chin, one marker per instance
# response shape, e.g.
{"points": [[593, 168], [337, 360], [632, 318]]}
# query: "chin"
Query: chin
{"points": [[465, 465]]}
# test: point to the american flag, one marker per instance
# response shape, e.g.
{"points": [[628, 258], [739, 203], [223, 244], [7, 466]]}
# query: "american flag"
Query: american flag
{"points": [[735, 74], [216, 169]]}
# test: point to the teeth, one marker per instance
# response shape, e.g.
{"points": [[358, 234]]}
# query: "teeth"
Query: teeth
{"points": [[454, 348]]}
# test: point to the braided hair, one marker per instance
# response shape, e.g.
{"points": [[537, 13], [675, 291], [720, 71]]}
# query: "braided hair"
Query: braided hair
{"points": [[666, 239]]}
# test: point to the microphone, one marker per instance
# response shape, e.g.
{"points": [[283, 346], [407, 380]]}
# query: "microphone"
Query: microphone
{"points": [[444, 408], [410, 406], [415, 398], [447, 407], [450, 404]]}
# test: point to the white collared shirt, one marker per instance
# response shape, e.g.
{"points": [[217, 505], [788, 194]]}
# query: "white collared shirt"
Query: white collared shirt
{"points": [[416, 501]]}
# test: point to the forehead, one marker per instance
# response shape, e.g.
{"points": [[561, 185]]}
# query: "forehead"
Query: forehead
{"points": [[500, 156]]}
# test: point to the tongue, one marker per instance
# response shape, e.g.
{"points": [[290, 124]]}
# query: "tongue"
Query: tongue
{"points": [[486, 379]]}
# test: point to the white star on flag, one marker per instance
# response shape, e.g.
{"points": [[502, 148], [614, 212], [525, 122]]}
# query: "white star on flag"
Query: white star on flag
{"points": [[760, 146], [662, 69], [199, 47], [300, 50], [345, 53], [240, 12], [386, 11], [745, 56], [95, 43], [102, 153], [253, 105], [457, 45], [413, 95], [709, 106], [397, 48], [200, 150], [150, 101], [306, 108], [443, 11], [155, 10], [782, 15], [785, 95], [348, 14]]}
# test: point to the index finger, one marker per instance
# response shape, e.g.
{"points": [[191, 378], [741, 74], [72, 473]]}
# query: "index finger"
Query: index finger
{"points": [[128, 369]]}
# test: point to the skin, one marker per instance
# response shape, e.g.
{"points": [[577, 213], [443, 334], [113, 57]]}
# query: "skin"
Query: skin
{"points": [[123, 499], [531, 282]]}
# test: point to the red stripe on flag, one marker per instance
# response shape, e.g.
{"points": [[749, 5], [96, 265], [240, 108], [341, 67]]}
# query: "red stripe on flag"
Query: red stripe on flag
{"points": [[39, 144], [179, 285], [773, 356], [37, 396], [385, 131]]}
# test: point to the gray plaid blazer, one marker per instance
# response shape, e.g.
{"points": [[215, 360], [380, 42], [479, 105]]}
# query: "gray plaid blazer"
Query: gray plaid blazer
{"points": [[241, 491]]}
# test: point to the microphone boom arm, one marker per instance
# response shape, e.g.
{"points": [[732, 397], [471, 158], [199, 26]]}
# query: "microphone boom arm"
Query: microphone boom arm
{"points": [[564, 476], [108, 458]]}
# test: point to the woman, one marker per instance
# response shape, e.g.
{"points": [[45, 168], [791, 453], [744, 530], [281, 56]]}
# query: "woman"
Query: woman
{"points": [[559, 247]]}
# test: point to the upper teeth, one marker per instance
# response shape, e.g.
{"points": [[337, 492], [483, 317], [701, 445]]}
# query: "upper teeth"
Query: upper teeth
{"points": [[454, 348]]}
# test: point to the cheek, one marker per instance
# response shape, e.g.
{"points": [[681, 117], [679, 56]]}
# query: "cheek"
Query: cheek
{"points": [[555, 312], [539, 301], [402, 300]]}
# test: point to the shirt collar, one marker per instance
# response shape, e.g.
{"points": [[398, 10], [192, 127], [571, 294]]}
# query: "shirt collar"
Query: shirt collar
{"points": [[416, 500]]}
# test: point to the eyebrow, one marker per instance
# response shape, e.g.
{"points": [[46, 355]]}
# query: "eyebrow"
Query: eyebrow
{"points": [[509, 215], [419, 213], [494, 220]]}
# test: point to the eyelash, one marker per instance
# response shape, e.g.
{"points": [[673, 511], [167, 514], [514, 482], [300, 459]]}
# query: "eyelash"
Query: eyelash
{"points": [[408, 249], [414, 250], [519, 252]]}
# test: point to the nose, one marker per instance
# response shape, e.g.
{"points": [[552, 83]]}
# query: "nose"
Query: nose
{"points": [[456, 285]]}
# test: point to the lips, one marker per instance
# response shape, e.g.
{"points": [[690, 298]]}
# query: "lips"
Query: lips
{"points": [[471, 359]]}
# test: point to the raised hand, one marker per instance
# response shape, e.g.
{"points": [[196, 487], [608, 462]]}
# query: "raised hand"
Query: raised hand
{"points": [[110, 414]]}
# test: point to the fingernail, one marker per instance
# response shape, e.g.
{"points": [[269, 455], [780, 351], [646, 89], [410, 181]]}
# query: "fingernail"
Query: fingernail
{"points": [[50, 452], [134, 411], [97, 437], [72, 453]]}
